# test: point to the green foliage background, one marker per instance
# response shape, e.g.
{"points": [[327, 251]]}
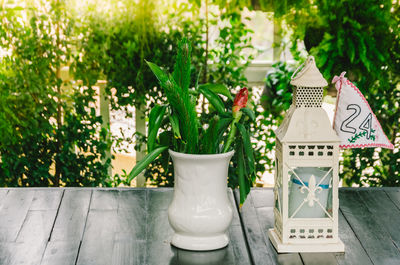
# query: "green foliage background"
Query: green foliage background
{"points": [[362, 38], [50, 133]]}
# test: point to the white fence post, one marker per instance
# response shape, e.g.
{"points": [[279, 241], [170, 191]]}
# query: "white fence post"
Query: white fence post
{"points": [[277, 41], [105, 115], [141, 128]]}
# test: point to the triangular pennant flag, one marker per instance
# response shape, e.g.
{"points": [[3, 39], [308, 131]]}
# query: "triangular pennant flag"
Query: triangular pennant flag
{"points": [[354, 122]]}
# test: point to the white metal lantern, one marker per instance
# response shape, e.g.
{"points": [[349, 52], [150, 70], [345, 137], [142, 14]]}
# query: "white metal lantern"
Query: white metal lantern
{"points": [[306, 171]]}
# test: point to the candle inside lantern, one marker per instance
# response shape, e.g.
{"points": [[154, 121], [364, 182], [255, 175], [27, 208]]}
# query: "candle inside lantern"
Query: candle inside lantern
{"points": [[309, 192]]}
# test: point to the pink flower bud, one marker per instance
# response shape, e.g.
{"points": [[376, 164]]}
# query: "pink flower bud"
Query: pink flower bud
{"points": [[240, 100]]}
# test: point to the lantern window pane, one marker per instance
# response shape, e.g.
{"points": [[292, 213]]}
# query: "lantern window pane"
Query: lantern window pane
{"points": [[310, 192], [278, 187]]}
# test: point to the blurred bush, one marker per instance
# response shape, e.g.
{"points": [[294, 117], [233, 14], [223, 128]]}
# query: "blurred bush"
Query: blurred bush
{"points": [[50, 133]]}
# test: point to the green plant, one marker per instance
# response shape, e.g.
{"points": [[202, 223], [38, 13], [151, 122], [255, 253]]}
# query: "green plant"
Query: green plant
{"points": [[185, 133], [220, 60], [50, 133]]}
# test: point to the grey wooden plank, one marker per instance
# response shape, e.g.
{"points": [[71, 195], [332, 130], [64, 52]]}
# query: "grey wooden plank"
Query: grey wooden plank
{"points": [[60, 253], [236, 252], [236, 218], [355, 254], [13, 253], [256, 222], [3, 194], [46, 199], [6, 252], [394, 195], [262, 197], [29, 228], [98, 241], [132, 214], [96, 252], [41, 216], [37, 226], [129, 251], [375, 240], [384, 212], [133, 199], [33, 237], [122, 229], [131, 223], [13, 212], [101, 223], [104, 200], [266, 220], [319, 259], [121, 240], [354, 251], [160, 198], [111, 251], [158, 227], [72, 215], [160, 253]]}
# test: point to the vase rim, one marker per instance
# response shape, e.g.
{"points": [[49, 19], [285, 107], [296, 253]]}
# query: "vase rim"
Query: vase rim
{"points": [[201, 156]]}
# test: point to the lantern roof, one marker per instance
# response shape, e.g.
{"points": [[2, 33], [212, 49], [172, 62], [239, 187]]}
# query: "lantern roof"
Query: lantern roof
{"points": [[306, 125], [308, 76]]}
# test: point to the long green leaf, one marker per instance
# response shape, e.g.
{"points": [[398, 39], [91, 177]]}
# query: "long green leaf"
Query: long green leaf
{"points": [[196, 86], [182, 69], [142, 164], [159, 73], [182, 105], [214, 99], [155, 118], [248, 148], [243, 183], [209, 141], [249, 113], [218, 89], [232, 132], [175, 125]]}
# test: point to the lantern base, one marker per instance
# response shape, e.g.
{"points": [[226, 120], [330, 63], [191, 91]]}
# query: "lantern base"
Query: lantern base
{"points": [[303, 247]]}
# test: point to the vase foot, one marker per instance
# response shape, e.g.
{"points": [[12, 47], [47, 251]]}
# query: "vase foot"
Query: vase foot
{"points": [[200, 243]]}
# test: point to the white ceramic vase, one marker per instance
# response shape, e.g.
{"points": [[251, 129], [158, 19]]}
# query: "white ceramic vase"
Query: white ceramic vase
{"points": [[200, 212]]}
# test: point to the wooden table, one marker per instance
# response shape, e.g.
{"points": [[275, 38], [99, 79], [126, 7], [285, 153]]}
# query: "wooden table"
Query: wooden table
{"points": [[130, 226]]}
